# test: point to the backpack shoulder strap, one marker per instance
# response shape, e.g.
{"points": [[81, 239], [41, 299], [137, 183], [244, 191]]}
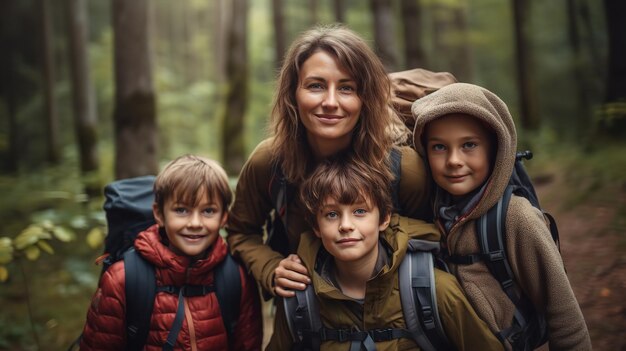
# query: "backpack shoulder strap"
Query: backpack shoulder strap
{"points": [[528, 329], [418, 296], [303, 318], [140, 292], [228, 290]]}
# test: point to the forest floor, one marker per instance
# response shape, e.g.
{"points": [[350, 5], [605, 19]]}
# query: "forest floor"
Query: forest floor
{"points": [[593, 247]]}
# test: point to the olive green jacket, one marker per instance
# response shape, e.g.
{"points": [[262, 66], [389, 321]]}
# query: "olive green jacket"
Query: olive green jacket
{"points": [[534, 258], [253, 204], [381, 307]]}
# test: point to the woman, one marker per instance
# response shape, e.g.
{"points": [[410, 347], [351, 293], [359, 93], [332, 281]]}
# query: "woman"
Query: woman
{"points": [[333, 95]]}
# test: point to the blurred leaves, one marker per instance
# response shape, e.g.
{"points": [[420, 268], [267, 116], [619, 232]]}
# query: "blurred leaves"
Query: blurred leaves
{"points": [[95, 238], [30, 242]]}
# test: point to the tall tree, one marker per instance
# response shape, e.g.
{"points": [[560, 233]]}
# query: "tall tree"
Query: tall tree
{"points": [[339, 7], [615, 100], [135, 114], [233, 150], [527, 101], [451, 38], [581, 71], [616, 84], [313, 11], [384, 34], [50, 109], [83, 98], [414, 55], [280, 41]]}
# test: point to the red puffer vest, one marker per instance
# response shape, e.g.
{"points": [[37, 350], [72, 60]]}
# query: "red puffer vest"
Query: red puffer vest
{"points": [[202, 329]]}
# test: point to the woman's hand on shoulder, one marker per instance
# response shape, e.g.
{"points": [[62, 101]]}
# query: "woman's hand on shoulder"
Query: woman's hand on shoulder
{"points": [[290, 275]]}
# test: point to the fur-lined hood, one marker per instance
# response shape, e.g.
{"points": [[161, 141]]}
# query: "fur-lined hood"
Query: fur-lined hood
{"points": [[486, 106]]}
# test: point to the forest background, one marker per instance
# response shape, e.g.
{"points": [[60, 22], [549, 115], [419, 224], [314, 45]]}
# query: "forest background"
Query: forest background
{"points": [[92, 91]]}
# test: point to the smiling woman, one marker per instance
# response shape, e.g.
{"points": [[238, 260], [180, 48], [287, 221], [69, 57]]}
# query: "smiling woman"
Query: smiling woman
{"points": [[333, 95]]}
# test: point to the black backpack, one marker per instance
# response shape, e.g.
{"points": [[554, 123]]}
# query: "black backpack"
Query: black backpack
{"points": [[529, 329], [419, 308], [128, 208]]}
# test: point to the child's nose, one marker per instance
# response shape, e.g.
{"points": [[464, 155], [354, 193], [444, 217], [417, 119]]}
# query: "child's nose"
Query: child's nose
{"points": [[345, 226], [454, 159], [194, 220]]}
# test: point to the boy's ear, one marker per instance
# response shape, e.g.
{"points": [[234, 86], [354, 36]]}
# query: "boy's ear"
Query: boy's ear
{"points": [[224, 219], [158, 216], [317, 232], [385, 223]]}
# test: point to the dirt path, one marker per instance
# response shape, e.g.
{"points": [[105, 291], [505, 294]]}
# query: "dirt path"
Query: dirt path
{"points": [[594, 252]]}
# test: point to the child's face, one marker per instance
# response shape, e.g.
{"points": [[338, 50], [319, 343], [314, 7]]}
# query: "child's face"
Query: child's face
{"points": [[350, 232], [458, 148], [191, 228]]}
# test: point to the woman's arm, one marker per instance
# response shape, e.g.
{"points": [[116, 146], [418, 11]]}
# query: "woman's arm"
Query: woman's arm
{"points": [[413, 189], [246, 219]]}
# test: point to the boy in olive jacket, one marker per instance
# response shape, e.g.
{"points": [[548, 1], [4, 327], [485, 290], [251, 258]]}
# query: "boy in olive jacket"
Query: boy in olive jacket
{"points": [[468, 137], [353, 257]]}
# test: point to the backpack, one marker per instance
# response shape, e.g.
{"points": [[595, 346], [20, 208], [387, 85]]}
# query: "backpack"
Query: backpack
{"points": [[419, 308], [529, 329], [128, 208]]}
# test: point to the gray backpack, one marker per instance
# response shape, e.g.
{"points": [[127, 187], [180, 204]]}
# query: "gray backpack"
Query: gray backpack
{"points": [[419, 307]]}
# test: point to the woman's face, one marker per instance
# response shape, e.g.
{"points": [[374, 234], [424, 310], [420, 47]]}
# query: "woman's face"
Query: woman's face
{"points": [[328, 104]]}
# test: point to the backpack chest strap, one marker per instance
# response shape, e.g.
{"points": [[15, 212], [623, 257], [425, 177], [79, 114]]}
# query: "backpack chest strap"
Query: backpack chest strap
{"points": [[187, 290], [359, 338]]}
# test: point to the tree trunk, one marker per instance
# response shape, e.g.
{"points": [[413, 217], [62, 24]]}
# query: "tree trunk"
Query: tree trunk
{"points": [[85, 118], [614, 119], [279, 31], [313, 8], [233, 150], [414, 56], [50, 109], [384, 37], [340, 10], [135, 115], [580, 70], [616, 82], [223, 18], [527, 101], [461, 58]]}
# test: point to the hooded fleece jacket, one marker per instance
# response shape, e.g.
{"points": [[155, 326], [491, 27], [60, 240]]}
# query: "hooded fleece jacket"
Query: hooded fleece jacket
{"points": [[203, 328], [534, 258], [381, 307]]}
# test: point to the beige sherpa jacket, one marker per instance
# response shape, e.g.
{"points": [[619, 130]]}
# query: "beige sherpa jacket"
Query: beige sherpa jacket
{"points": [[533, 256]]}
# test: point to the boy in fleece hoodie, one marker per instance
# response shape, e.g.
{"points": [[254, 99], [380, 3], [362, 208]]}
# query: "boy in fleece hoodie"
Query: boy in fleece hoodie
{"points": [[468, 138]]}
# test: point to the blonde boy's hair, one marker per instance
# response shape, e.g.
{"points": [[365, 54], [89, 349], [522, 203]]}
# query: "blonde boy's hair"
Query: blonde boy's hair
{"points": [[189, 175], [348, 181]]}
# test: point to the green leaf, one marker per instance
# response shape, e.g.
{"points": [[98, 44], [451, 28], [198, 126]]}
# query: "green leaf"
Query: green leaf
{"points": [[6, 250], [30, 236], [4, 274], [32, 252], [95, 238], [63, 234], [45, 246]]}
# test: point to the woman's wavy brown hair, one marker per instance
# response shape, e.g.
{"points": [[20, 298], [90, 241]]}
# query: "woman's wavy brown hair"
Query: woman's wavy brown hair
{"points": [[373, 135]]}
